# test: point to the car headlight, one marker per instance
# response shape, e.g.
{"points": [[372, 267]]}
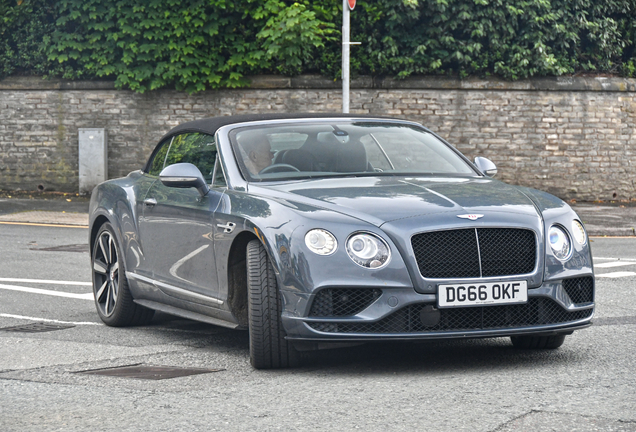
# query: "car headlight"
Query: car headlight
{"points": [[578, 232], [321, 242], [559, 242], [368, 250]]}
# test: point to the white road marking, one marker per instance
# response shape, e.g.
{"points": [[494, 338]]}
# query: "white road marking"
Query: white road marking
{"points": [[616, 274], [43, 281], [614, 258], [614, 264], [47, 320], [87, 296]]}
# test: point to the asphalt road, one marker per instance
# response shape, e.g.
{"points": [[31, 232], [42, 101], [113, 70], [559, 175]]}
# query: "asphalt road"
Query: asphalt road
{"points": [[589, 384]]}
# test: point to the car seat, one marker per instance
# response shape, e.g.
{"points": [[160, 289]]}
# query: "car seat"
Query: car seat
{"points": [[351, 157]]}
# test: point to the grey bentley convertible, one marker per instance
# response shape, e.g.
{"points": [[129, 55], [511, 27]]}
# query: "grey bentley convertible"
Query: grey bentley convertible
{"points": [[317, 230]]}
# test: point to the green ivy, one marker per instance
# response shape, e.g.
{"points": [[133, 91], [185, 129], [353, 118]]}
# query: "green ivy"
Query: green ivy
{"points": [[203, 44], [25, 37], [510, 38], [292, 35], [207, 44]]}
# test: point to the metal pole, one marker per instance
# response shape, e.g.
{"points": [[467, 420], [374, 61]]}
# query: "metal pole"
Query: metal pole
{"points": [[345, 56]]}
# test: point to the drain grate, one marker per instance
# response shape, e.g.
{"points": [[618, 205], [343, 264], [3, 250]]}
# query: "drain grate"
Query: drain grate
{"points": [[139, 371], [65, 248], [37, 327]]}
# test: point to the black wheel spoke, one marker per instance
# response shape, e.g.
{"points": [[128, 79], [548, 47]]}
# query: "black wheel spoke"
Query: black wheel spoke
{"points": [[103, 248], [100, 292], [115, 285], [112, 259], [109, 290]]}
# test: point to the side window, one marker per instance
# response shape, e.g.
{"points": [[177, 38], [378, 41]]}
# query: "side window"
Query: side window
{"points": [[159, 158], [219, 177], [196, 148]]}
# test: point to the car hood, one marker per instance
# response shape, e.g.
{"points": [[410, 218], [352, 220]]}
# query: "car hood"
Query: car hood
{"points": [[379, 200]]}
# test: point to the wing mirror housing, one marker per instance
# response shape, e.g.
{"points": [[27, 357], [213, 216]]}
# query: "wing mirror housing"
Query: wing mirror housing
{"points": [[184, 175], [486, 166]]}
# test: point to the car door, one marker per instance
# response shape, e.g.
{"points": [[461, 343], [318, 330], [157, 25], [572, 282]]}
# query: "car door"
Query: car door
{"points": [[177, 226]]}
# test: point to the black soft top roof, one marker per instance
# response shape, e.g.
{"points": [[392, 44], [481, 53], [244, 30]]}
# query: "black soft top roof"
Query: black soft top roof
{"points": [[211, 125]]}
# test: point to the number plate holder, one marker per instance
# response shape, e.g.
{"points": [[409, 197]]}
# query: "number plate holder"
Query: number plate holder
{"points": [[482, 294]]}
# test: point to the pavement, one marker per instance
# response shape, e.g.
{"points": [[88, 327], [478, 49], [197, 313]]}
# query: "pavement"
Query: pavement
{"points": [[50, 210], [600, 219], [608, 219]]}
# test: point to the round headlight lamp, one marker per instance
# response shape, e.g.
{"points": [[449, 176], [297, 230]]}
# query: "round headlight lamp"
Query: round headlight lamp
{"points": [[368, 250], [578, 232], [559, 242], [321, 242]]}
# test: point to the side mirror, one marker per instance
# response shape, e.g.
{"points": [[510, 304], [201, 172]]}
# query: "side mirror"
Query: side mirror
{"points": [[184, 175], [486, 166]]}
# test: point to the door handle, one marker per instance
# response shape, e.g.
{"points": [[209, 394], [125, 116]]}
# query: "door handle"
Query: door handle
{"points": [[227, 228], [150, 202]]}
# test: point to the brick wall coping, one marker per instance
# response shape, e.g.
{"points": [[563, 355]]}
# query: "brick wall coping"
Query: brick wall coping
{"points": [[601, 84]]}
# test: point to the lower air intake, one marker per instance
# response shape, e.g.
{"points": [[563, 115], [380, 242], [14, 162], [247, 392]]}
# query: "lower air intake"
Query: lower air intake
{"points": [[580, 290], [538, 311], [333, 302]]}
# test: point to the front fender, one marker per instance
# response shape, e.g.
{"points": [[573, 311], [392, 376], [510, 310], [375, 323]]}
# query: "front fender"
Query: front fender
{"points": [[116, 201], [282, 226], [557, 212]]}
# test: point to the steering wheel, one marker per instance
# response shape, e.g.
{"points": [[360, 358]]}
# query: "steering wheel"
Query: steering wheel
{"points": [[278, 167]]}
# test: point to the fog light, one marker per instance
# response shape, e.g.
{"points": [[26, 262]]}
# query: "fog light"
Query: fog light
{"points": [[430, 316]]}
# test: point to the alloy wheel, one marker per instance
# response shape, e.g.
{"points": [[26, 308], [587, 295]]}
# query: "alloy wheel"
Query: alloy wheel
{"points": [[106, 274]]}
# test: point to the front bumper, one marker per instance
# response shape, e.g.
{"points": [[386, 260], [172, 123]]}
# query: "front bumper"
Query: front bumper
{"points": [[554, 307]]}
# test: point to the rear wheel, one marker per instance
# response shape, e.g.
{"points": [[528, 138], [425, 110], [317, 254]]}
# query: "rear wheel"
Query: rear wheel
{"points": [[113, 300], [268, 347], [537, 342]]}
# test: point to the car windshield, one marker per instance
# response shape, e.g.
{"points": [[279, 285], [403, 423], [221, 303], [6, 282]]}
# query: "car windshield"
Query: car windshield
{"points": [[325, 149]]}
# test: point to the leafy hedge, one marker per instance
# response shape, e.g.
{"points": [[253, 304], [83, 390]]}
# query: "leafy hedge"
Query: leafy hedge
{"points": [[25, 37], [201, 44]]}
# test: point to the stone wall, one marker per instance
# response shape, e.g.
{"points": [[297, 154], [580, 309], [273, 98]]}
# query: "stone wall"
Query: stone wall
{"points": [[574, 137]]}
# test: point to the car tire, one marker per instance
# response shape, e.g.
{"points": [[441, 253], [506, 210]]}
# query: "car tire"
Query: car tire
{"points": [[268, 347], [113, 300], [538, 342]]}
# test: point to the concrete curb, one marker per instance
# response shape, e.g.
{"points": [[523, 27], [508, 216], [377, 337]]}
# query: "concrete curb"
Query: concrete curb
{"points": [[47, 217]]}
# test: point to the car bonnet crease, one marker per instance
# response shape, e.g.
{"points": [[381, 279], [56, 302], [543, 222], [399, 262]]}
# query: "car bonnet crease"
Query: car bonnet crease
{"points": [[378, 200]]}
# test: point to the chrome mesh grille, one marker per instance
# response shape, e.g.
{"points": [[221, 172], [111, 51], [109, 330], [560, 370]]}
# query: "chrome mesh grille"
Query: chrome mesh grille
{"points": [[537, 311], [456, 253], [447, 254], [580, 290], [506, 251], [342, 301]]}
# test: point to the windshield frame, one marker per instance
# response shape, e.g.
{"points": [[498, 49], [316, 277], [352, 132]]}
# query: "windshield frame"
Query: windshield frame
{"points": [[229, 132]]}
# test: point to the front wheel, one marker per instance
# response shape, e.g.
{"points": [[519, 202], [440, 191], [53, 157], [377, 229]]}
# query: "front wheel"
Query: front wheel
{"points": [[538, 342], [268, 347], [115, 305]]}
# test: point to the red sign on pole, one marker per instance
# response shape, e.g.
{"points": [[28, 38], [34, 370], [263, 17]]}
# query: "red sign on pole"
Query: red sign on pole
{"points": [[352, 4]]}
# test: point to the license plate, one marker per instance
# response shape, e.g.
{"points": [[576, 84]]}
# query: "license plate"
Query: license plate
{"points": [[482, 293]]}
